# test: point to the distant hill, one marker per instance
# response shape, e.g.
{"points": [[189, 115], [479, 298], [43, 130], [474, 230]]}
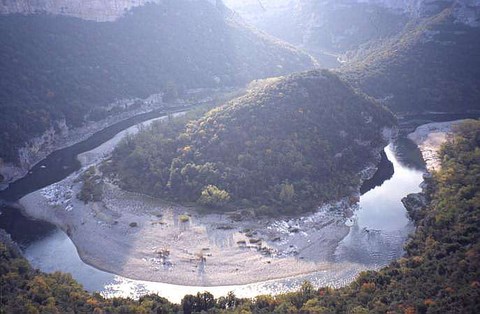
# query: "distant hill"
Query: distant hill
{"points": [[289, 145], [58, 67], [323, 27], [337, 28], [434, 65]]}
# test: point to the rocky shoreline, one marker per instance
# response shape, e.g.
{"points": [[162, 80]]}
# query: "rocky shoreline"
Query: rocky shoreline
{"points": [[57, 137], [148, 239], [429, 138], [60, 136]]}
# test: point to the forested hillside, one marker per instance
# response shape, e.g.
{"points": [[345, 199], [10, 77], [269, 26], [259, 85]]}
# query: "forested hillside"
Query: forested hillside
{"points": [[416, 56], [288, 145], [440, 272], [434, 65], [330, 26], [56, 67]]}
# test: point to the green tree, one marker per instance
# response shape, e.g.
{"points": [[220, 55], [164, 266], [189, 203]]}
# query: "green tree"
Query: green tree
{"points": [[212, 196]]}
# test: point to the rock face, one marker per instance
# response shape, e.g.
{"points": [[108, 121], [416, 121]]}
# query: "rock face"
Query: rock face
{"points": [[415, 204], [96, 10], [32, 152]]}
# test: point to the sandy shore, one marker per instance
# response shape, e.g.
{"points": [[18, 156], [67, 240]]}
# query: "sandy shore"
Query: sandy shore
{"points": [[429, 137], [144, 238]]}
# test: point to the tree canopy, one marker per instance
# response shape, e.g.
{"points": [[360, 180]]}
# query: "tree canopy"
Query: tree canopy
{"points": [[286, 146]]}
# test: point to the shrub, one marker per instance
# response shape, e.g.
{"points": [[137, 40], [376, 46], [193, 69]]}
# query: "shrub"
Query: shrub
{"points": [[183, 218], [214, 197]]}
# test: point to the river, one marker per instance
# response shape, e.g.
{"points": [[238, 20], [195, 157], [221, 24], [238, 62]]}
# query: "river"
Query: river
{"points": [[378, 230]]}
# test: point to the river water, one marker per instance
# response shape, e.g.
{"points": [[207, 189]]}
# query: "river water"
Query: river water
{"points": [[378, 230]]}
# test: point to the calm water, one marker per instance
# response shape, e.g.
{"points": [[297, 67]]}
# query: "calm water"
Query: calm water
{"points": [[61, 163], [380, 226], [378, 230]]}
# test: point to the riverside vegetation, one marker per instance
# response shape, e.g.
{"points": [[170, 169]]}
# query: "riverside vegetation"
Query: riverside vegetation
{"points": [[439, 273], [286, 147]]}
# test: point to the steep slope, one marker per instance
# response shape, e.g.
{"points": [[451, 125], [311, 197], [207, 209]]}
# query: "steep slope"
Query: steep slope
{"points": [[57, 67], [334, 27], [323, 27], [288, 145], [96, 10], [433, 65]]}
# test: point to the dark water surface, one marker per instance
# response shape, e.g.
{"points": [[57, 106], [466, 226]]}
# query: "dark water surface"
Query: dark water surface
{"points": [[378, 230], [61, 163]]}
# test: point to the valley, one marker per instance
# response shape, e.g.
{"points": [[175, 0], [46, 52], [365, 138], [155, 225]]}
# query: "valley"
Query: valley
{"points": [[329, 261], [227, 156], [329, 247]]}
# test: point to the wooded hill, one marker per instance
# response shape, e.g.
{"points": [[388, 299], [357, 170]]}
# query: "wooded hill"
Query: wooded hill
{"points": [[440, 272], [433, 65], [289, 145], [56, 67]]}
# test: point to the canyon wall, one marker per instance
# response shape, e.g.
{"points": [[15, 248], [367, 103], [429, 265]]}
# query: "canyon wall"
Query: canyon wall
{"points": [[96, 10]]}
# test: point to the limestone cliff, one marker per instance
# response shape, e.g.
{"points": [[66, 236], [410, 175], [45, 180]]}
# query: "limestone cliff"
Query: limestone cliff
{"points": [[96, 10]]}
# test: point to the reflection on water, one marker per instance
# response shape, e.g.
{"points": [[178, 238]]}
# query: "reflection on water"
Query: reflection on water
{"points": [[381, 209], [378, 230], [56, 252], [380, 225]]}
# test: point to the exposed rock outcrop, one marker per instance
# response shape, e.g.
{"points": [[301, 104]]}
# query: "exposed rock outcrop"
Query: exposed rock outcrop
{"points": [[415, 204], [96, 10], [32, 152]]}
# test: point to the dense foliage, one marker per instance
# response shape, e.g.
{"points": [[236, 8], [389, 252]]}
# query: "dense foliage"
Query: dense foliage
{"points": [[286, 146], [57, 67], [433, 65], [440, 272]]}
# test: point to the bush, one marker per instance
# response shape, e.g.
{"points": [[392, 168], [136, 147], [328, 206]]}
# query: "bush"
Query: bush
{"points": [[184, 218], [214, 197], [92, 186]]}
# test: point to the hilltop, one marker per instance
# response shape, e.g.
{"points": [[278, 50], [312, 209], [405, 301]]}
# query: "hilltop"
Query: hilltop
{"points": [[289, 145]]}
